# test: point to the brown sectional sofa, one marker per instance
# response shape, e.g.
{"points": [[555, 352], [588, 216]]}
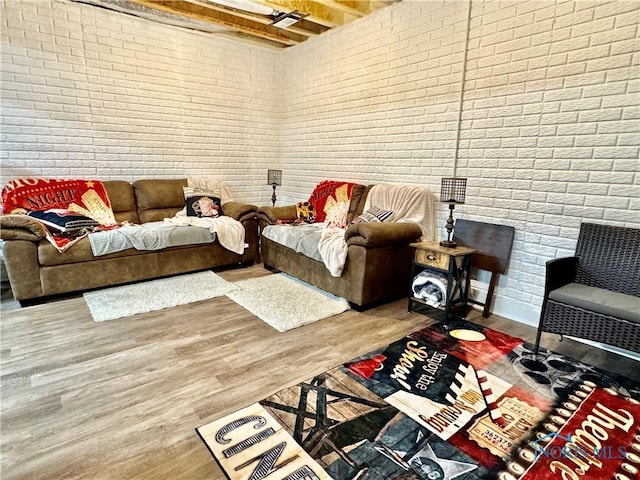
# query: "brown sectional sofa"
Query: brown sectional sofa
{"points": [[36, 269], [378, 265]]}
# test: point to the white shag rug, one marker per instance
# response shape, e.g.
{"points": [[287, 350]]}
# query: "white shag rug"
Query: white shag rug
{"points": [[285, 302], [127, 300]]}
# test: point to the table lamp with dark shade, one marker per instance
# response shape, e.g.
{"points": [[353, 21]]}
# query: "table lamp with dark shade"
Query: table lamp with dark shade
{"points": [[274, 178], [452, 191]]}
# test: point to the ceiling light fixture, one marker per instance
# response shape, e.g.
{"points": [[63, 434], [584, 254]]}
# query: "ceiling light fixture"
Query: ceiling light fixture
{"points": [[285, 20]]}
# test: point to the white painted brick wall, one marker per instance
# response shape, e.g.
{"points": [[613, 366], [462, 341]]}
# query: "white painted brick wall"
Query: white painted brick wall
{"points": [[357, 103], [549, 135], [574, 77], [91, 93]]}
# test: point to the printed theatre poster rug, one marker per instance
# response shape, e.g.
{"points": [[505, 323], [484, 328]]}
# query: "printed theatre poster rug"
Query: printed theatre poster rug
{"points": [[431, 407]]}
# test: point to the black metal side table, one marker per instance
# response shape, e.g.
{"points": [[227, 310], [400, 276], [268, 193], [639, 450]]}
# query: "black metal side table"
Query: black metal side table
{"points": [[454, 263]]}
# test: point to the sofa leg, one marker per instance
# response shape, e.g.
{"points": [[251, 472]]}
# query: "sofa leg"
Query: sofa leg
{"points": [[358, 308], [28, 303]]}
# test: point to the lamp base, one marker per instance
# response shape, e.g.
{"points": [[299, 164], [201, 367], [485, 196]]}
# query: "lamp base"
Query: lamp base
{"points": [[448, 244]]}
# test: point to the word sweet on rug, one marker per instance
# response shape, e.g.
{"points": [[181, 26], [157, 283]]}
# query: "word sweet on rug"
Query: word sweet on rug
{"points": [[285, 302], [432, 407], [127, 300]]}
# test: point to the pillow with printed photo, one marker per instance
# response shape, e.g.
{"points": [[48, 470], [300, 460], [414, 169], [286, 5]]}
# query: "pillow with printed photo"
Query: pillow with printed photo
{"points": [[201, 203]]}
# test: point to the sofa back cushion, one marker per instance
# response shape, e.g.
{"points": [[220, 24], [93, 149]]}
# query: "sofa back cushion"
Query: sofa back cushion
{"points": [[358, 198], [159, 199], [123, 202]]}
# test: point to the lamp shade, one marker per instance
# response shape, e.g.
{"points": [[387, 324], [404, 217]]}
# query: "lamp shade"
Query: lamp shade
{"points": [[274, 177], [453, 190]]}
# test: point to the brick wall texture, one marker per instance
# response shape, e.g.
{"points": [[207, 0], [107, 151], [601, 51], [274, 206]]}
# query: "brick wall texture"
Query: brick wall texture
{"points": [[91, 93], [537, 103]]}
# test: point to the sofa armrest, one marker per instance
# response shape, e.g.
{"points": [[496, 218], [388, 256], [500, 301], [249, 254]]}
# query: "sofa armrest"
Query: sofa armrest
{"points": [[270, 215], [23, 269], [239, 211], [560, 272], [373, 234], [21, 227]]}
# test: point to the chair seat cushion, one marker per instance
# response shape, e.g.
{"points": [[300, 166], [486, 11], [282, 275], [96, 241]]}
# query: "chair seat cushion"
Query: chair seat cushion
{"points": [[606, 302]]}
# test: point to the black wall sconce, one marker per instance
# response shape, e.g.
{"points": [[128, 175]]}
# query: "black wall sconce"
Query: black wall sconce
{"points": [[274, 178]]}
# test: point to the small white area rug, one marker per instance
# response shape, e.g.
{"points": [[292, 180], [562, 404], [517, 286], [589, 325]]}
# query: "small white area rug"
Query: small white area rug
{"points": [[285, 302], [127, 300]]}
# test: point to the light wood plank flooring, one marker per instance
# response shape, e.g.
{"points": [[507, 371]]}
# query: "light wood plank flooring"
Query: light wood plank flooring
{"points": [[122, 399]]}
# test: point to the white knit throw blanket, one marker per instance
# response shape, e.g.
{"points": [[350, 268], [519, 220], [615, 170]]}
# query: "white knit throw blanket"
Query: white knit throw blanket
{"points": [[230, 231], [211, 184], [408, 203]]}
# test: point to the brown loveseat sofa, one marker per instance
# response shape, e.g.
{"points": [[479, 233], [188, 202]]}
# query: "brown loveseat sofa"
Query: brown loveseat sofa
{"points": [[36, 269], [378, 264]]}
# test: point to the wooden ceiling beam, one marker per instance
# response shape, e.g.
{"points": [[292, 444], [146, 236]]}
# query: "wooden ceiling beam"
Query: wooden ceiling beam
{"points": [[309, 26], [365, 8], [342, 7], [202, 14], [252, 16], [244, 21], [315, 12]]}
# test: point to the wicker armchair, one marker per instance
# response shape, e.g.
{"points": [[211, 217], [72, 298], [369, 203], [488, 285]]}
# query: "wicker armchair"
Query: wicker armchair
{"points": [[595, 294]]}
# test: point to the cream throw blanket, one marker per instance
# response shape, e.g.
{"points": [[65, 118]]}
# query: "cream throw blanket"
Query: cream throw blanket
{"points": [[333, 249], [150, 236], [211, 184], [408, 204], [159, 235], [230, 232]]}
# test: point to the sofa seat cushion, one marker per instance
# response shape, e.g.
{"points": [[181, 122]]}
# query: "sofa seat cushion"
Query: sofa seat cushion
{"points": [[303, 239], [157, 233], [149, 236], [48, 256], [599, 300]]}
